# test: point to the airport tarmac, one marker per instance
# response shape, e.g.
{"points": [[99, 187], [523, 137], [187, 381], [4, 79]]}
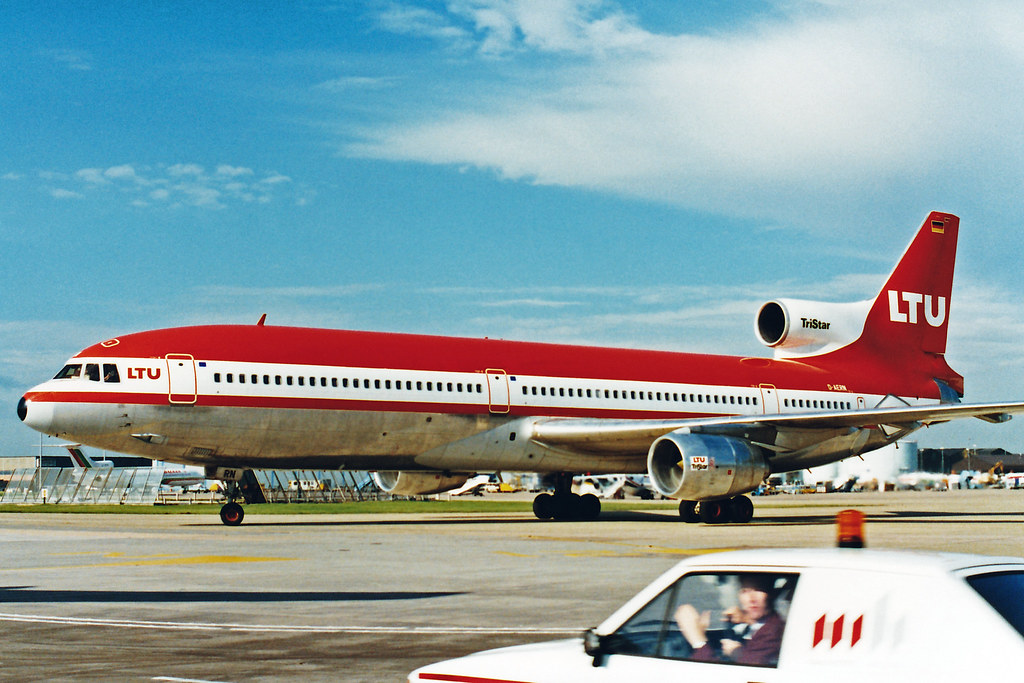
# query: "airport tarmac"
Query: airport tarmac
{"points": [[370, 597]]}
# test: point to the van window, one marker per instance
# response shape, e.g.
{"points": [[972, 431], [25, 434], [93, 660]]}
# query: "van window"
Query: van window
{"points": [[747, 613], [1005, 592]]}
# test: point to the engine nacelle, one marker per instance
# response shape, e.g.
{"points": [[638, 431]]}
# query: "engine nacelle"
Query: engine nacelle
{"points": [[794, 327], [402, 483], [704, 466]]}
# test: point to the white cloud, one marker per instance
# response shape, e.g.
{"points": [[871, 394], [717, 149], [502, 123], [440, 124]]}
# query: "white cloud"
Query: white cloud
{"points": [[73, 60], [182, 184], [233, 171], [418, 21], [498, 27], [91, 175], [838, 106], [124, 172], [349, 83], [530, 303], [178, 170]]}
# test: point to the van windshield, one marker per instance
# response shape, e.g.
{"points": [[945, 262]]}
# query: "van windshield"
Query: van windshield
{"points": [[1005, 592]]}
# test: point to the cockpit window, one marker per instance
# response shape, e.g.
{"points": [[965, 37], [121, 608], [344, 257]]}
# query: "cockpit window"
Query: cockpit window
{"points": [[69, 372], [92, 371], [110, 373]]}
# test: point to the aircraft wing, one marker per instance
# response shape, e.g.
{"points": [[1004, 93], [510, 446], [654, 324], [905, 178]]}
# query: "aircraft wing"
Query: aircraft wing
{"points": [[618, 436]]}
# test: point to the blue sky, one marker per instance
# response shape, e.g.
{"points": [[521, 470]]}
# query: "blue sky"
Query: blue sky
{"points": [[631, 174]]}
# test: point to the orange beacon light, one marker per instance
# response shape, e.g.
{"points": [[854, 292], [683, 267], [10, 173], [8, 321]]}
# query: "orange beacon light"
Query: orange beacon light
{"points": [[850, 525]]}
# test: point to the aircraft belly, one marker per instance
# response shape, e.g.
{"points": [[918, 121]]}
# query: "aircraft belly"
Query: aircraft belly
{"points": [[264, 437]]}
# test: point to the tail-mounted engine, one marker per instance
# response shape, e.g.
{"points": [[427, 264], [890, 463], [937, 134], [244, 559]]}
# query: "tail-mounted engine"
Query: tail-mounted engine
{"points": [[793, 327], [704, 466], [402, 483]]}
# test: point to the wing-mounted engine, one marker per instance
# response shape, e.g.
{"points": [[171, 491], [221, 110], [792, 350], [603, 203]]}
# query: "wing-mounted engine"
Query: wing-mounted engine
{"points": [[795, 328], [704, 466], [402, 483]]}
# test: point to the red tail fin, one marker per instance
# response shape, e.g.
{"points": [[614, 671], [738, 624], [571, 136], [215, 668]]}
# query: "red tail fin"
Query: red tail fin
{"points": [[909, 319]]}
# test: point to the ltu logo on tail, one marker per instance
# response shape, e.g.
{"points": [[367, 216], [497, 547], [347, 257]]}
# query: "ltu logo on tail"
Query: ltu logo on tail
{"points": [[934, 308]]}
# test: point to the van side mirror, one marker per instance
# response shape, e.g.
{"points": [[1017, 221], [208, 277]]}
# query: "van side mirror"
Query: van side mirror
{"points": [[593, 645]]}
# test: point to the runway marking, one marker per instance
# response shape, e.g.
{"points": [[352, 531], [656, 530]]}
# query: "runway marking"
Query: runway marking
{"points": [[175, 679], [634, 549], [511, 554], [286, 628], [156, 560]]}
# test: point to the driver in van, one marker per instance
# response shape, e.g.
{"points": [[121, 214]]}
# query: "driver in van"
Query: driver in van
{"points": [[754, 628]]}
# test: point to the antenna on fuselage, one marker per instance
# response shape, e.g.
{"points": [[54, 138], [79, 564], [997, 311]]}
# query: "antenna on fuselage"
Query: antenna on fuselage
{"points": [[263, 319]]}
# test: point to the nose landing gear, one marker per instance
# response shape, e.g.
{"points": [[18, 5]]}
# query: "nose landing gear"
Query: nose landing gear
{"points": [[248, 488]]}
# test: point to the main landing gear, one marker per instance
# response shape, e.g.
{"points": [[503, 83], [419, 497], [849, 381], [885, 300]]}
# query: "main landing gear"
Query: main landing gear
{"points": [[564, 505], [738, 510]]}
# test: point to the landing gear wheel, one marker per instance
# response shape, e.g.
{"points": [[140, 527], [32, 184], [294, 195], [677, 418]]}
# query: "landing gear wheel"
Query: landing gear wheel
{"points": [[688, 511], [713, 511], [544, 506], [563, 506], [232, 514], [590, 507], [741, 510], [567, 507]]}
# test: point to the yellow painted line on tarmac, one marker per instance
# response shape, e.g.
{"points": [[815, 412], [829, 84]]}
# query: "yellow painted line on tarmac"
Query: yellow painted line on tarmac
{"points": [[197, 559], [511, 554], [630, 549], [160, 560]]}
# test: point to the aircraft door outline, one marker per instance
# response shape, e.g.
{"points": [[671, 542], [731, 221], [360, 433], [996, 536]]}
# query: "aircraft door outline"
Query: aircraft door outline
{"points": [[769, 399], [182, 385], [497, 391]]}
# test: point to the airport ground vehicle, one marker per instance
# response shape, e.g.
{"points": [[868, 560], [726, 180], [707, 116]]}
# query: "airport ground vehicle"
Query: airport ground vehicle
{"points": [[848, 615]]}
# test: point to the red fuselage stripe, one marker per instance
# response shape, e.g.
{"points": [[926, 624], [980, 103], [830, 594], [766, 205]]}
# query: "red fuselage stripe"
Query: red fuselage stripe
{"points": [[458, 678]]}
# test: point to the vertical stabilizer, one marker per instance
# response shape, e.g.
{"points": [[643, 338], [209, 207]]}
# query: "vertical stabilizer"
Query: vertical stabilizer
{"points": [[907, 324], [912, 310]]}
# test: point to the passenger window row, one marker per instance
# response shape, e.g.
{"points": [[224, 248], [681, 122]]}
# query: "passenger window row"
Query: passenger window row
{"points": [[808, 403], [632, 395], [346, 383]]}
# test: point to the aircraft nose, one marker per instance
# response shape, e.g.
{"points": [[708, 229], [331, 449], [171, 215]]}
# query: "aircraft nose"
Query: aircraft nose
{"points": [[38, 416]]}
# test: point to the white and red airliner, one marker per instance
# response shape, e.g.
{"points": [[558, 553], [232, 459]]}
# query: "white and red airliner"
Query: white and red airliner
{"points": [[427, 412]]}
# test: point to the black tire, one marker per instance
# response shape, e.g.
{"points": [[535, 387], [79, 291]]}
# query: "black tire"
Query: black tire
{"points": [[741, 509], [544, 506], [688, 511], [232, 514], [713, 511], [589, 507], [567, 507]]}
